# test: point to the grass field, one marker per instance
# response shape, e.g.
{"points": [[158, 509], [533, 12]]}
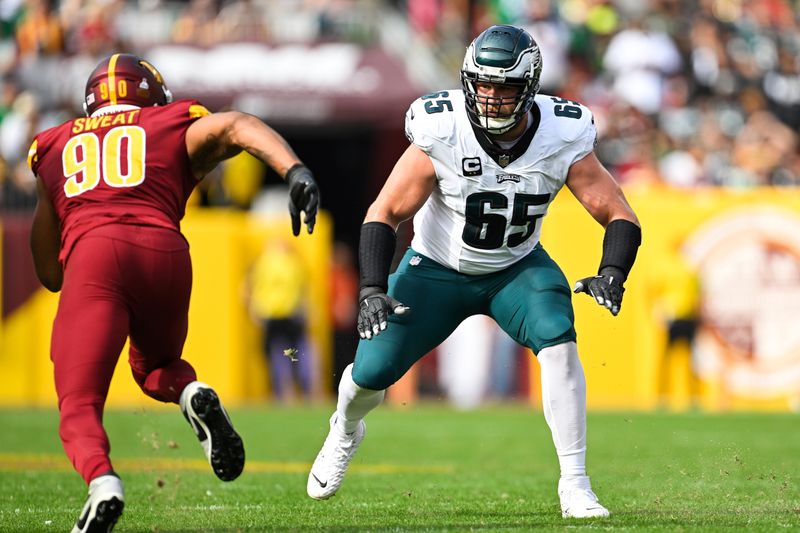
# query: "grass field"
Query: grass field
{"points": [[422, 469]]}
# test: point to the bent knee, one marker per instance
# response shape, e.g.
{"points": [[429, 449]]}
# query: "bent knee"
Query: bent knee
{"points": [[375, 375], [553, 329]]}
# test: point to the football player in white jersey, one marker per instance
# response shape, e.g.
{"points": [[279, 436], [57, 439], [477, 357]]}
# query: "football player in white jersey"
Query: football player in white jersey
{"points": [[483, 166]]}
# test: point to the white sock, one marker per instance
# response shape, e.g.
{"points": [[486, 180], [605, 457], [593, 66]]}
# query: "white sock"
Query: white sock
{"points": [[354, 402], [564, 403]]}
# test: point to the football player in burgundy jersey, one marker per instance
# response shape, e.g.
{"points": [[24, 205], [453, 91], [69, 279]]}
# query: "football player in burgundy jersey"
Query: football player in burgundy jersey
{"points": [[112, 189]]}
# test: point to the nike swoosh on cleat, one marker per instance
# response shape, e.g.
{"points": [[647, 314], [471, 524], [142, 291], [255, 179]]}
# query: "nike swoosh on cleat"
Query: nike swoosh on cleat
{"points": [[82, 520], [321, 484]]}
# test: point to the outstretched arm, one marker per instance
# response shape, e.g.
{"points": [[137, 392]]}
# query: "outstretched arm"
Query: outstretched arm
{"points": [[406, 190], [601, 195], [219, 136], [598, 191], [46, 240], [409, 185]]}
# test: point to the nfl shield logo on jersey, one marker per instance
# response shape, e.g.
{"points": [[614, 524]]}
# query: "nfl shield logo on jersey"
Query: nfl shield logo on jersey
{"points": [[414, 261]]}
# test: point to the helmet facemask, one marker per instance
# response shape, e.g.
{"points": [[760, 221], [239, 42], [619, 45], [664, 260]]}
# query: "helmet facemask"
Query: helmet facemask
{"points": [[507, 56]]}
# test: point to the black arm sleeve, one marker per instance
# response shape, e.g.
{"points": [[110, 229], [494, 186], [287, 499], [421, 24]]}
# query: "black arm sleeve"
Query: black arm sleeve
{"points": [[620, 244], [375, 252]]}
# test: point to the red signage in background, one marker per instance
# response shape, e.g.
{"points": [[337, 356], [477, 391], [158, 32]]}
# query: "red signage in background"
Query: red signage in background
{"points": [[298, 84]]}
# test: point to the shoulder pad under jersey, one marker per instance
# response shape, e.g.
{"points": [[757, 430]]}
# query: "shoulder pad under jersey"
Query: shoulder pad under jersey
{"points": [[431, 118]]}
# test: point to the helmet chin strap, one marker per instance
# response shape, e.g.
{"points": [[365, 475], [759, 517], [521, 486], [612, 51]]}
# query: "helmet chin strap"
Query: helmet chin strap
{"points": [[498, 126]]}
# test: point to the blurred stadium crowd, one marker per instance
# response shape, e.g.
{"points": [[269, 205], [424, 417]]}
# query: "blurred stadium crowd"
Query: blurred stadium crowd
{"points": [[689, 93]]}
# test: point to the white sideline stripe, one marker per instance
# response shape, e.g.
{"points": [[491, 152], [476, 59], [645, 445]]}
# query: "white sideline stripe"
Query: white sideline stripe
{"points": [[10, 462]]}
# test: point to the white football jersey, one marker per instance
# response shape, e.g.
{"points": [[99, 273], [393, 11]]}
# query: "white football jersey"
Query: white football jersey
{"points": [[484, 213]]}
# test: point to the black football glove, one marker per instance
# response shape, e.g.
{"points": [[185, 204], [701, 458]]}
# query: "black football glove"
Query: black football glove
{"points": [[303, 196], [605, 288], [374, 307]]}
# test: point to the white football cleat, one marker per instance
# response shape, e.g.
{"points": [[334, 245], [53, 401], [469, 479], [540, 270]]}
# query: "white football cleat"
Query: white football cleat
{"points": [[104, 506], [578, 500], [327, 472], [209, 420]]}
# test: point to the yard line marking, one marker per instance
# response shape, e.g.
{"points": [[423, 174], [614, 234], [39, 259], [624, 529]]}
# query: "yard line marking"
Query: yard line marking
{"points": [[11, 462]]}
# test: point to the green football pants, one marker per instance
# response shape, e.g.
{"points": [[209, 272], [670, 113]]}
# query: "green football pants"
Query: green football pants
{"points": [[530, 300]]}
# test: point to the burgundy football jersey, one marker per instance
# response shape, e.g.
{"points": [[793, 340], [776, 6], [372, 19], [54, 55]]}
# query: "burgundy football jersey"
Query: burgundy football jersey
{"points": [[128, 167]]}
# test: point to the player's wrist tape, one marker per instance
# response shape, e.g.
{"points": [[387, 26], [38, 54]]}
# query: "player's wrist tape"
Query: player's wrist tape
{"points": [[296, 172], [620, 244], [375, 252]]}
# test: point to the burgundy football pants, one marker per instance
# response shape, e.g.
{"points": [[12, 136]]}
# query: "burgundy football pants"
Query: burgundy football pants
{"points": [[119, 281]]}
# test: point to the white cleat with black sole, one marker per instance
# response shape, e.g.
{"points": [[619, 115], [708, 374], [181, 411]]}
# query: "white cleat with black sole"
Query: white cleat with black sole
{"points": [[104, 506], [327, 472], [209, 420], [578, 500]]}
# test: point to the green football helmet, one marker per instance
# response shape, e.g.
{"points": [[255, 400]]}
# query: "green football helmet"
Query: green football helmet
{"points": [[503, 55]]}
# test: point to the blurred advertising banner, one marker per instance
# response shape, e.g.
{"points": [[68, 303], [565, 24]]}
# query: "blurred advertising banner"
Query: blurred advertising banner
{"points": [[295, 84], [748, 260], [711, 309], [709, 320], [224, 342]]}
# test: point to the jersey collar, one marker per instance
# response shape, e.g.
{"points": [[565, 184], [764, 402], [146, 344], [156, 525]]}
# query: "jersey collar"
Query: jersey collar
{"points": [[110, 109], [500, 155]]}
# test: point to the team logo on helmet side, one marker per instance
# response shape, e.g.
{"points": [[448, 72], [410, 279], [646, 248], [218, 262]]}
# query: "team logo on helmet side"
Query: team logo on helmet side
{"points": [[503, 55], [125, 79]]}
